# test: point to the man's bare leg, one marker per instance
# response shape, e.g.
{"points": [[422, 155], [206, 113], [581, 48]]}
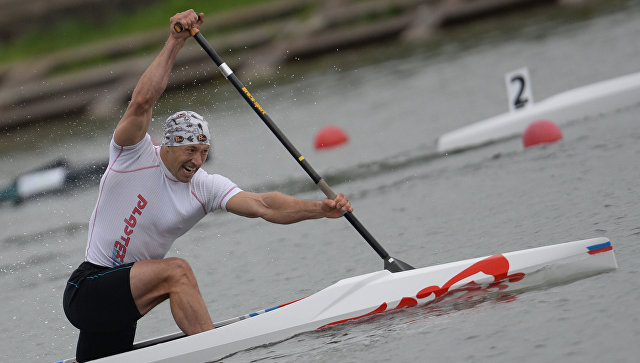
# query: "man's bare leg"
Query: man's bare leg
{"points": [[154, 281]]}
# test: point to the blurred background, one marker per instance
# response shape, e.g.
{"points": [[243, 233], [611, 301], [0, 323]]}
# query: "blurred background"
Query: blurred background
{"points": [[394, 75], [59, 57], [70, 66]]}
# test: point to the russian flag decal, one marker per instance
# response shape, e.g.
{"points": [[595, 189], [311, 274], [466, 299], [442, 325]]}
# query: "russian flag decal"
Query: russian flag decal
{"points": [[602, 247]]}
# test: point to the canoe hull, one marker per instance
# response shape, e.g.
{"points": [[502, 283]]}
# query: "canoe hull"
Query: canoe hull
{"points": [[377, 292]]}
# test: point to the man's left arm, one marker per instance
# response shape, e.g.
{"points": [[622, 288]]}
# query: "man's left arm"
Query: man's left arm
{"points": [[280, 208]]}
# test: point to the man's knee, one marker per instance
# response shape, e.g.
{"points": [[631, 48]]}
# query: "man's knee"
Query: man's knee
{"points": [[179, 271]]}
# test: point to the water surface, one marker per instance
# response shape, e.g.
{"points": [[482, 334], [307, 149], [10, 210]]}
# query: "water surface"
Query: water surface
{"points": [[424, 208]]}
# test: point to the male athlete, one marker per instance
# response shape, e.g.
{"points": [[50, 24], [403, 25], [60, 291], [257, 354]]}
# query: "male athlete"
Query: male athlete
{"points": [[148, 197]]}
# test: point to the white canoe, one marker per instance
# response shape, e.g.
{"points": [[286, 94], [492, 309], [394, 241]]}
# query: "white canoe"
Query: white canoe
{"points": [[381, 291], [578, 103]]}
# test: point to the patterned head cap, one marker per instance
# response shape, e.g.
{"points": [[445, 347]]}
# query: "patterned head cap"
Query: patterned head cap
{"points": [[186, 128]]}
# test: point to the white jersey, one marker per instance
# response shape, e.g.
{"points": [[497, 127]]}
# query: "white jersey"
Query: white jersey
{"points": [[142, 208]]}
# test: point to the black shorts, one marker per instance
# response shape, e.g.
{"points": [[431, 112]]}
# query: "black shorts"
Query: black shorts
{"points": [[98, 301]]}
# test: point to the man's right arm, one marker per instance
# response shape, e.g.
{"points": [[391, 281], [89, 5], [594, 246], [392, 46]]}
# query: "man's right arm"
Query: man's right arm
{"points": [[135, 123]]}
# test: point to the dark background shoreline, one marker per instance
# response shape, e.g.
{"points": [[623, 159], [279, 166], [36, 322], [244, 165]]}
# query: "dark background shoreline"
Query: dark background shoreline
{"points": [[95, 81]]}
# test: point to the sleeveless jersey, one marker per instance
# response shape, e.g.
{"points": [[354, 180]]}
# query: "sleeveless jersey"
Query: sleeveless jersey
{"points": [[142, 209]]}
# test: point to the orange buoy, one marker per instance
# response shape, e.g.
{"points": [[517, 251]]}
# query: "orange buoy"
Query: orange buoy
{"points": [[541, 132], [330, 136]]}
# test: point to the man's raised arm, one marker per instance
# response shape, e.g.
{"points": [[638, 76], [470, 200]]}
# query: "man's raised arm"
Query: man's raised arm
{"points": [[135, 122]]}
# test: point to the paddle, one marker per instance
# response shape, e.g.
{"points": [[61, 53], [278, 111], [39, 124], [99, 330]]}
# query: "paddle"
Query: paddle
{"points": [[390, 263]]}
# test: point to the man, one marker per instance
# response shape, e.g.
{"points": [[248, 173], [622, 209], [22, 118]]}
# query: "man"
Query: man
{"points": [[148, 197]]}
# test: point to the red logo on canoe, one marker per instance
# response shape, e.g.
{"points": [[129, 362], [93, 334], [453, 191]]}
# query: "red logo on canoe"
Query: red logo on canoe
{"points": [[496, 266]]}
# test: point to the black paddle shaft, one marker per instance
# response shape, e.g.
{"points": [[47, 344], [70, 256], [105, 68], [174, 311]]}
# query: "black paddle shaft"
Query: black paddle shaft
{"points": [[390, 263]]}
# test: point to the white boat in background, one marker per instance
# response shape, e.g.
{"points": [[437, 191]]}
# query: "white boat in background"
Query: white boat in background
{"points": [[365, 295], [594, 99]]}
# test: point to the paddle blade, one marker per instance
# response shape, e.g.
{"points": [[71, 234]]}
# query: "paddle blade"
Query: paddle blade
{"points": [[395, 265]]}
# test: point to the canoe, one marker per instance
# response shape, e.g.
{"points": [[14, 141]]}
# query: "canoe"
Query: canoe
{"points": [[575, 104], [382, 291]]}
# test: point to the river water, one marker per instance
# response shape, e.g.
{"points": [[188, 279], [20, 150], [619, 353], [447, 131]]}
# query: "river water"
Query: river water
{"points": [[424, 208]]}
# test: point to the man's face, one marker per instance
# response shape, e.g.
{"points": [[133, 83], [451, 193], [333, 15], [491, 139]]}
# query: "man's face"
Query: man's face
{"points": [[183, 161]]}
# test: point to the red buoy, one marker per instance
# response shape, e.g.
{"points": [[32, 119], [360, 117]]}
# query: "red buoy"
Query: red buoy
{"points": [[541, 132], [330, 136]]}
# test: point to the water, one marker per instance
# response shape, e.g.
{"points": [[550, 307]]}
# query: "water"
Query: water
{"points": [[425, 209]]}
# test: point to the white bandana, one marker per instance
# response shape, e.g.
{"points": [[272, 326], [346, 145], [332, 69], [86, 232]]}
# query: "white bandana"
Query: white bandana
{"points": [[186, 128]]}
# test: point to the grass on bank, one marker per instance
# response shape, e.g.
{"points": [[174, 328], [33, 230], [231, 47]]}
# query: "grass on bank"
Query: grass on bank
{"points": [[75, 31]]}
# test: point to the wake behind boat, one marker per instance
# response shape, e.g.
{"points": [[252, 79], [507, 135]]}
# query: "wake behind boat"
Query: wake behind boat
{"points": [[377, 292]]}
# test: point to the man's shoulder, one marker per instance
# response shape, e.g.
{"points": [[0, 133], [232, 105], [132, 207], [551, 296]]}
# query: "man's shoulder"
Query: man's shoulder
{"points": [[143, 151], [216, 183], [146, 142], [202, 176]]}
